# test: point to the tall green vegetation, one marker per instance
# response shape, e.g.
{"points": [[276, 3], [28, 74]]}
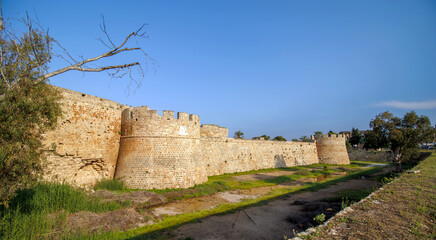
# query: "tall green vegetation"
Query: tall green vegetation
{"points": [[331, 132], [266, 137], [318, 133], [279, 138], [27, 214], [28, 108], [239, 135], [28, 105], [355, 137], [305, 139], [400, 135]]}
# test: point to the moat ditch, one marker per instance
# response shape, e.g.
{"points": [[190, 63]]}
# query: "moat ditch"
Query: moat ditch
{"points": [[282, 205]]}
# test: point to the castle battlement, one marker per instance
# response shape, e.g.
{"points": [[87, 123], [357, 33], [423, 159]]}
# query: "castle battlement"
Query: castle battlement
{"points": [[327, 136], [142, 121], [144, 112], [165, 150]]}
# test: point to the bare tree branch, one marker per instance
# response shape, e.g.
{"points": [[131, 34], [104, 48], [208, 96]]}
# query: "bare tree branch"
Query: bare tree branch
{"points": [[121, 70]]}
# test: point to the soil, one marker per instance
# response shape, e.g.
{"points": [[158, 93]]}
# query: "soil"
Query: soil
{"points": [[278, 217]]}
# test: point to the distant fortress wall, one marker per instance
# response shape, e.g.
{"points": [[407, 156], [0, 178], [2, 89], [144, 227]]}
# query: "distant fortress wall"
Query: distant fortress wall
{"points": [[239, 155], [332, 149], [99, 139]]}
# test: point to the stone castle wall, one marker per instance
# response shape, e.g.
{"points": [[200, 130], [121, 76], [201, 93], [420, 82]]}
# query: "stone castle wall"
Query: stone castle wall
{"points": [[160, 151], [239, 155], [84, 147], [97, 138], [166, 152], [213, 131], [370, 155]]}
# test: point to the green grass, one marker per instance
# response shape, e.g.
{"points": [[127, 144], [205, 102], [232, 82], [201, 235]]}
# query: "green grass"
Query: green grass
{"points": [[111, 185], [351, 195], [171, 222], [411, 200], [226, 182], [27, 215]]}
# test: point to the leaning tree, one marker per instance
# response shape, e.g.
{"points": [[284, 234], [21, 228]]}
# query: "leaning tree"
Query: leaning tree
{"points": [[28, 105]]}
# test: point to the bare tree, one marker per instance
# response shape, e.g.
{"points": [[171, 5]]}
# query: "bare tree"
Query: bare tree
{"points": [[82, 65]]}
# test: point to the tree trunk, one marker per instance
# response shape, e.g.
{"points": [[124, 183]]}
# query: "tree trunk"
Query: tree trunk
{"points": [[397, 159]]}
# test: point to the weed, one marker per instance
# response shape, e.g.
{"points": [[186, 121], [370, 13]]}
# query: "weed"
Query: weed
{"points": [[344, 219], [110, 185], [320, 218]]}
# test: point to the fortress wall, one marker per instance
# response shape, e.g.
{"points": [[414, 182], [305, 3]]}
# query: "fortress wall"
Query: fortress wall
{"points": [[147, 162], [84, 147], [332, 149], [207, 130], [370, 155], [159, 151], [98, 138], [221, 156], [141, 121]]}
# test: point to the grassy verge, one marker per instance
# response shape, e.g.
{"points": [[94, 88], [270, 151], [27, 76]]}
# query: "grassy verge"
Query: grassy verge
{"points": [[36, 211], [404, 209]]}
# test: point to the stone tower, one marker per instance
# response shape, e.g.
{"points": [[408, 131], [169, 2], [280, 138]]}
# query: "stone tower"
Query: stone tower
{"points": [[159, 151], [331, 149]]}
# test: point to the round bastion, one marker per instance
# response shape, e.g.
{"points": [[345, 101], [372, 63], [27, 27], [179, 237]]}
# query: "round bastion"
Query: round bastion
{"points": [[332, 149], [159, 151]]}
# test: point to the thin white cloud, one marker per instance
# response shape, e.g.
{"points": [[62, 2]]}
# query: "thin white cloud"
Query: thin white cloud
{"points": [[409, 105]]}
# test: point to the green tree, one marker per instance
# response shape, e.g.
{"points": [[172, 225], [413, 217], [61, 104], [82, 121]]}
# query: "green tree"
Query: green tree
{"points": [[28, 105], [279, 138], [355, 137], [318, 133], [331, 132], [305, 139], [239, 135], [401, 136], [266, 137], [295, 140]]}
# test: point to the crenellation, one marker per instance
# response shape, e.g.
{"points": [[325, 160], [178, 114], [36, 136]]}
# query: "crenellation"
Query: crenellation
{"points": [[168, 115], [182, 116], [98, 138]]}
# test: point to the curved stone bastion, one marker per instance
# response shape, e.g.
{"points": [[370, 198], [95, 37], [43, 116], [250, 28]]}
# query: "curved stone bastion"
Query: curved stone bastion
{"points": [[332, 149], [159, 151]]}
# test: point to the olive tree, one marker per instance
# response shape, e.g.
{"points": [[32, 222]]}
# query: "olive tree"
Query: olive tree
{"points": [[400, 135]]}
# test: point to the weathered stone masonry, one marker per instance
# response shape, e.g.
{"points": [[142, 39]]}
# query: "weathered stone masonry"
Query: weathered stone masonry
{"points": [[98, 138]]}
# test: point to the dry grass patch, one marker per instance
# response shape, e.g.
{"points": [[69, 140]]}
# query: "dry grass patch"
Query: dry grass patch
{"points": [[404, 209]]}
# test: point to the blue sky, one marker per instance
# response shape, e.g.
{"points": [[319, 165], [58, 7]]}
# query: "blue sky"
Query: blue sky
{"points": [[284, 68]]}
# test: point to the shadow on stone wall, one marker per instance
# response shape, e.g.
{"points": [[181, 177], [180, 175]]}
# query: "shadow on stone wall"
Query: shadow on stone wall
{"points": [[279, 161]]}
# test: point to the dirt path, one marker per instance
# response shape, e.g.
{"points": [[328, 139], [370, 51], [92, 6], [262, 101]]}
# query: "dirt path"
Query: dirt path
{"points": [[270, 221], [274, 220]]}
